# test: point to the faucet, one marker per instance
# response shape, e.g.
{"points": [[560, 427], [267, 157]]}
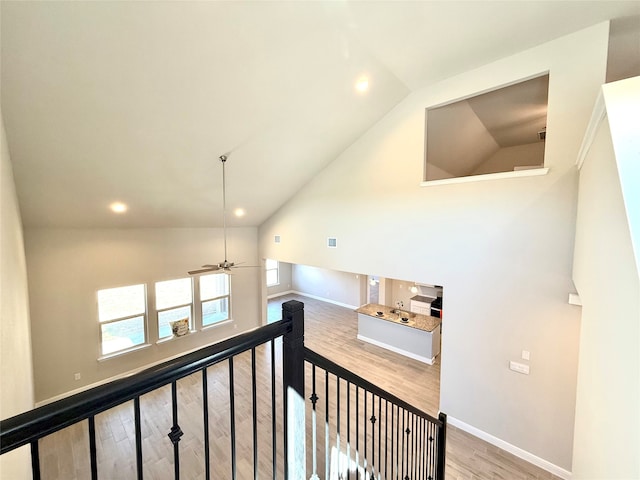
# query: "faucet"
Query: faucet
{"points": [[399, 305]]}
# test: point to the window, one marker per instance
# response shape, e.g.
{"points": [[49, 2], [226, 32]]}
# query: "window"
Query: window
{"points": [[122, 317], [273, 277], [214, 296], [174, 299]]}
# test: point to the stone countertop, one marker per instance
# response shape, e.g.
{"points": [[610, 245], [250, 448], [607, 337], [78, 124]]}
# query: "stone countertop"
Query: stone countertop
{"points": [[416, 320]]}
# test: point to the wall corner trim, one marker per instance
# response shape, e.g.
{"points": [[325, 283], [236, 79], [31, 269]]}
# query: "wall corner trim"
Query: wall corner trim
{"points": [[574, 299], [518, 452], [597, 116]]}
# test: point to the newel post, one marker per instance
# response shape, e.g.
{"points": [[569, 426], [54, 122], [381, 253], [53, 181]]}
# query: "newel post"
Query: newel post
{"points": [[293, 381], [442, 445]]}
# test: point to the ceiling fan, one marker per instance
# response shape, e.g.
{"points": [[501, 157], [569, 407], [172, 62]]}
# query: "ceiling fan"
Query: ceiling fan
{"points": [[224, 266]]}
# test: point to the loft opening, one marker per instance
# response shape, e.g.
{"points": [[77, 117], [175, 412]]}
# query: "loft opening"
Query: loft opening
{"points": [[503, 130]]}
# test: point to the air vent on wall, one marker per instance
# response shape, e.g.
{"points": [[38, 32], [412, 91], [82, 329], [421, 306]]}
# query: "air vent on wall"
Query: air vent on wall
{"points": [[332, 242], [276, 239]]}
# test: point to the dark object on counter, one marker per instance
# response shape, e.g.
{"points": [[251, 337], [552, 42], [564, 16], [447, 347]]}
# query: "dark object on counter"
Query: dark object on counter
{"points": [[405, 319], [379, 314]]}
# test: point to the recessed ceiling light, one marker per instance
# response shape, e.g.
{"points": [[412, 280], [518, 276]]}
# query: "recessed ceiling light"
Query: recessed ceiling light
{"points": [[118, 207], [362, 84], [239, 212]]}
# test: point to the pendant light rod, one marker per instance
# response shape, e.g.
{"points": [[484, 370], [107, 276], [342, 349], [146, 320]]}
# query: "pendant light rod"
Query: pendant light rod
{"points": [[223, 159]]}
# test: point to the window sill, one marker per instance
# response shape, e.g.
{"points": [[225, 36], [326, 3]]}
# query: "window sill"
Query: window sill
{"points": [[109, 356], [533, 172], [217, 324], [173, 337]]}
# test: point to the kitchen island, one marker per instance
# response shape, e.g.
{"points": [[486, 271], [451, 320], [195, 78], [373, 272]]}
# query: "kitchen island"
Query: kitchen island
{"points": [[418, 337]]}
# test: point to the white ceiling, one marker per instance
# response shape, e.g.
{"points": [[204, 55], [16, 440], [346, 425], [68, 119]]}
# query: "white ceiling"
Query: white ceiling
{"points": [[135, 101]]}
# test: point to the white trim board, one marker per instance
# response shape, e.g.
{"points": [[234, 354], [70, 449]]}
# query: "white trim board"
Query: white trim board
{"points": [[420, 358], [534, 172], [507, 447], [597, 116]]}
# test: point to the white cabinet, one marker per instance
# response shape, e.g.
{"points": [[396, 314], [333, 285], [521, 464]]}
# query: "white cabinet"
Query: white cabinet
{"points": [[417, 306]]}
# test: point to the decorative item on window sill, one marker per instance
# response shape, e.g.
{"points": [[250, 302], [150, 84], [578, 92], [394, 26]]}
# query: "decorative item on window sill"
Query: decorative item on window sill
{"points": [[180, 327]]}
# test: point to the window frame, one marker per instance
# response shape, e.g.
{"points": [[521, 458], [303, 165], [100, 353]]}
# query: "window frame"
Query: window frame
{"points": [[174, 307], [145, 327], [267, 270], [202, 300]]}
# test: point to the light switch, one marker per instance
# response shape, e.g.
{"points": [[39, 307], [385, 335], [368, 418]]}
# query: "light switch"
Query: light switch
{"points": [[525, 354]]}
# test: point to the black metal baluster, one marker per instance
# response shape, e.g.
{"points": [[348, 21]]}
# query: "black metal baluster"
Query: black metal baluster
{"points": [[35, 460], [373, 436], [285, 420], [314, 400], [379, 438], [386, 435], [403, 451], [420, 475], [255, 413], [393, 457], [92, 448], [205, 420], [176, 432], [434, 456], [413, 446], [430, 472], [326, 424], [138, 428], [407, 451], [232, 419], [348, 429], [273, 411], [364, 450], [338, 423], [357, 432]]}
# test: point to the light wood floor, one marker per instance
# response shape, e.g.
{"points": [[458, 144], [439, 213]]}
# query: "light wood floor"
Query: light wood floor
{"points": [[329, 330]]}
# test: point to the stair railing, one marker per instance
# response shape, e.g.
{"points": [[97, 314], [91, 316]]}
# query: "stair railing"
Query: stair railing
{"points": [[411, 447]]}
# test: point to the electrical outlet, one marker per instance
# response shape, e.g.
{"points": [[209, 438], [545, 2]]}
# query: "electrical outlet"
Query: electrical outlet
{"points": [[77, 376], [519, 367]]}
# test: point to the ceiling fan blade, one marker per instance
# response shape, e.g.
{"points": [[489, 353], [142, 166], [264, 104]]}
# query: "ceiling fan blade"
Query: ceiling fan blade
{"points": [[204, 270]]}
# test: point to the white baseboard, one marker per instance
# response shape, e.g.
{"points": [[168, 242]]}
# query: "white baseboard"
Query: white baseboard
{"points": [[279, 294], [328, 300], [415, 356], [518, 452]]}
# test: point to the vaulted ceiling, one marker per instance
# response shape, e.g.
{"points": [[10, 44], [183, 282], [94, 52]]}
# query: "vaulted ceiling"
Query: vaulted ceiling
{"points": [[135, 101]]}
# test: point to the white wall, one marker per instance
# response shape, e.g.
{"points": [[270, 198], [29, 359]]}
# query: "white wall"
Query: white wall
{"points": [[607, 429], [67, 266], [502, 248], [338, 287], [16, 374]]}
